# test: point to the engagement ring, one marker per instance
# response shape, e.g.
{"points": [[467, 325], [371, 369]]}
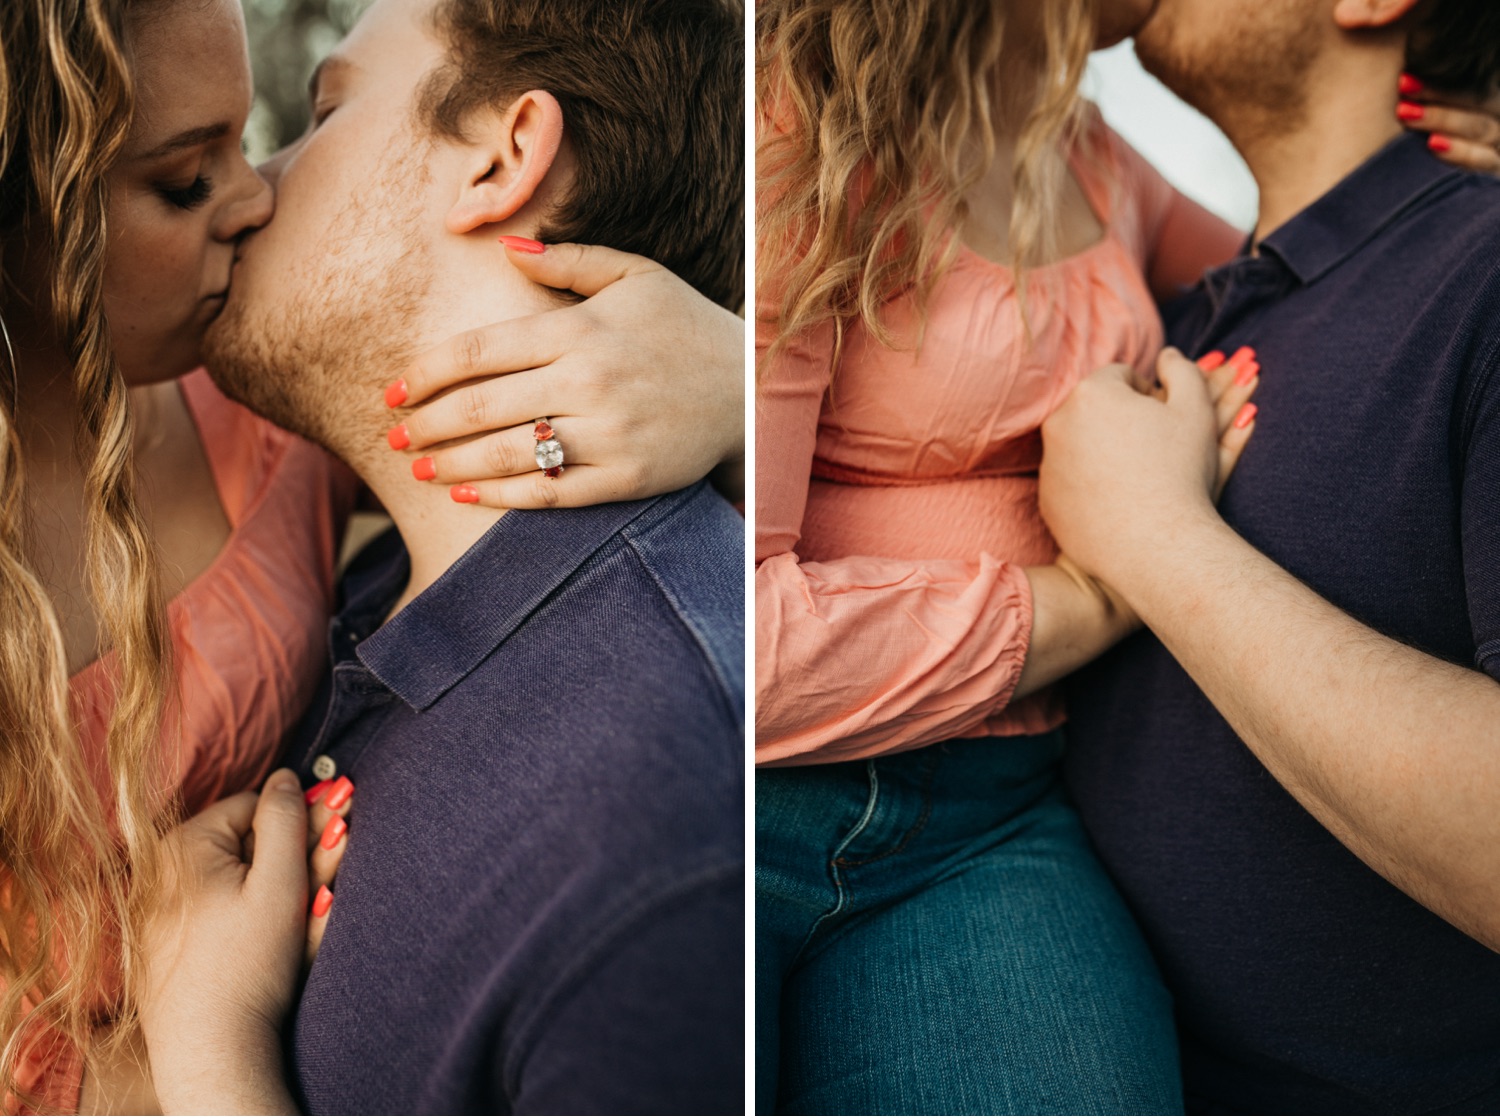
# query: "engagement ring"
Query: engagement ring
{"points": [[549, 452]]}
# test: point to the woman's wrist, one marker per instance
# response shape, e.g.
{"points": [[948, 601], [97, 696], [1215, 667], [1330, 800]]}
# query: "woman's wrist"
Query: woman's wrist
{"points": [[1075, 618]]}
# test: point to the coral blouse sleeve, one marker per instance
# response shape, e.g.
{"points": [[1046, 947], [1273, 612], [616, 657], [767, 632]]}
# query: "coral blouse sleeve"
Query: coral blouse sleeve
{"points": [[861, 656]]}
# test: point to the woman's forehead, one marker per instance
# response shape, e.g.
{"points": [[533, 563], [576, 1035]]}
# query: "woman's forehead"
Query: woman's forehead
{"points": [[191, 68]]}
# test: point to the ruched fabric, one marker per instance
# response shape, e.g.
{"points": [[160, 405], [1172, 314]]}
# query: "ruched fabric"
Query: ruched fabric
{"points": [[896, 496]]}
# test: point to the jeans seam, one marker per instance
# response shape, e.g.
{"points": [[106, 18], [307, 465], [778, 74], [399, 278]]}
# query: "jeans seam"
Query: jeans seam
{"points": [[839, 887], [912, 832]]}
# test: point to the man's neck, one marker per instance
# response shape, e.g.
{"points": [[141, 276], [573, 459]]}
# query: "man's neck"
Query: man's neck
{"points": [[1350, 114], [436, 529]]}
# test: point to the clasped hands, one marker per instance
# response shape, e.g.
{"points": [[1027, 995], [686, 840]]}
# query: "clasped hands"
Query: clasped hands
{"points": [[1131, 463]]}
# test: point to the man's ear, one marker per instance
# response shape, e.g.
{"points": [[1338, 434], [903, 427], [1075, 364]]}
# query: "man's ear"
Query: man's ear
{"points": [[1370, 15], [512, 157]]}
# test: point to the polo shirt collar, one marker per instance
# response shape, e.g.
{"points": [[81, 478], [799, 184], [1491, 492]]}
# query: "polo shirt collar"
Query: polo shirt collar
{"points": [[1334, 227], [451, 627]]}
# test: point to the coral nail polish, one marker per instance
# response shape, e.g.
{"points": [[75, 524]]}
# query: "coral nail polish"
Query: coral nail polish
{"points": [[339, 794], [1439, 143], [395, 395], [398, 437], [332, 833], [423, 469], [323, 901], [316, 790], [523, 244], [464, 494], [1247, 413], [1241, 355], [1248, 372], [1406, 84], [1211, 361], [1406, 110]]}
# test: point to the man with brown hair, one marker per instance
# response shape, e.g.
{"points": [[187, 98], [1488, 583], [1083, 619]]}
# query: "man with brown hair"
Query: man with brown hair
{"points": [[542, 904], [1293, 776]]}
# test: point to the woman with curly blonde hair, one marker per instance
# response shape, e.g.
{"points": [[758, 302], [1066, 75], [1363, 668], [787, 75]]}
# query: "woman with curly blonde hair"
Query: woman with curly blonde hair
{"points": [[166, 557], [948, 240]]}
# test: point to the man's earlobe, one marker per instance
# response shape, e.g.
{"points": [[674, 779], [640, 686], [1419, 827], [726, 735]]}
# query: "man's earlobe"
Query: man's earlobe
{"points": [[511, 159], [1356, 15]]}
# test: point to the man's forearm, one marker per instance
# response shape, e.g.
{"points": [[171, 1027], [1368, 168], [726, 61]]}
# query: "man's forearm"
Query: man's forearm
{"points": [[1396, 752]]}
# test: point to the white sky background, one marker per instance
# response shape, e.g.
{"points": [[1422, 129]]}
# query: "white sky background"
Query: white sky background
{"points": [[1186, 148]]}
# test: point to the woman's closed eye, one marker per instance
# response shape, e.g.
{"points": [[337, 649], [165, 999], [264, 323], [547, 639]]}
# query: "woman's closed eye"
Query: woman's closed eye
{"points": [[188, 197]]}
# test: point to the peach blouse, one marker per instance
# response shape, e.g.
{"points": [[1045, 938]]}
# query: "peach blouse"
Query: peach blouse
{"points": [[896, 498], [249, 634]]}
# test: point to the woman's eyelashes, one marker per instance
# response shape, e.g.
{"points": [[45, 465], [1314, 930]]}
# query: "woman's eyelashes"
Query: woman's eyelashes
{"points": [[188, 197]]}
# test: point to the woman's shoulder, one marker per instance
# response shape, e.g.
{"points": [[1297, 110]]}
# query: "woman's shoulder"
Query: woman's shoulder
{"points": [[251, 458], [1125, 187]]}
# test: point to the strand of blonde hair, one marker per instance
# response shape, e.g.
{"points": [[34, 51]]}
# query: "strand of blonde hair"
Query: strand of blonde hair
{"points": [[80, 868], [876, 118]]}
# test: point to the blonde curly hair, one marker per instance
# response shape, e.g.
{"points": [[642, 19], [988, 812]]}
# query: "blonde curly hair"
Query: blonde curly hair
{"points": [[875, 119], [78, 862]]}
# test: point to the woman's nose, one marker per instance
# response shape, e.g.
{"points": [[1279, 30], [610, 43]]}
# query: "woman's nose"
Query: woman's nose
{"points": [[252, 209]]}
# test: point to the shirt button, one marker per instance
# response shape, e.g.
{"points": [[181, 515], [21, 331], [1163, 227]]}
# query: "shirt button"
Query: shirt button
{"points": [[324, 767]]}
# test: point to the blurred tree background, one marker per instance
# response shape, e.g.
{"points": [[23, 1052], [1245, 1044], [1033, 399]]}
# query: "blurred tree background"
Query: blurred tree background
{"points": [[287, 39]]}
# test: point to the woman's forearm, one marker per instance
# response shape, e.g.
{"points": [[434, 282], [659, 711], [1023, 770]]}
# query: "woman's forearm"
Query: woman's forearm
{"points": [[1073, 621]]}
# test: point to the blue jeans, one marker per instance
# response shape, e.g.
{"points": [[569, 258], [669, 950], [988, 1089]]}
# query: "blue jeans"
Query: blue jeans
{"points": [[935, 936]]}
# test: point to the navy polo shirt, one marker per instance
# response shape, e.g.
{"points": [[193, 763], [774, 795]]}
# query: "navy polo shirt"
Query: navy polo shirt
{"points": [[1306, 983], [541, 909]]}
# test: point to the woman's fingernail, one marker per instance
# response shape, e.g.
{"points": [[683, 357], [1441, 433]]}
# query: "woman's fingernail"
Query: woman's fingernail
{"points": [[1248, 372], [339, 794], [1408, 84], [1211, 361], [323, 901], [464, 494], [1246, 414], [316, 790], [395, 395], [523, 244], [1408, 111], [1439, 143], [1240, 356], [423, 469], [333, 832], [399, 437]]}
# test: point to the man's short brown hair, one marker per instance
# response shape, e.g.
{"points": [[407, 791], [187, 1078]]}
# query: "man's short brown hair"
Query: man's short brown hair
{"points": [[1455, 45], [652, 94]]}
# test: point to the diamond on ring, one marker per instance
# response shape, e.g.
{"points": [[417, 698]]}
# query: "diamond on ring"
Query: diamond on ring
{"points": [[549, 452]]}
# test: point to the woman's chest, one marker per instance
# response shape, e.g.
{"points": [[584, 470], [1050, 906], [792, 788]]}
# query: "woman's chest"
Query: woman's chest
{"points": [[992, 364]]}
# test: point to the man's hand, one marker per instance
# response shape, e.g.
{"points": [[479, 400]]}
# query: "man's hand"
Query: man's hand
{"points": [[1124, 460]]}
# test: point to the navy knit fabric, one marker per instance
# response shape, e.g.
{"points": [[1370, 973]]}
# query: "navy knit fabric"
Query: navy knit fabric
{"points": [[1305, 982], [541, 909]]}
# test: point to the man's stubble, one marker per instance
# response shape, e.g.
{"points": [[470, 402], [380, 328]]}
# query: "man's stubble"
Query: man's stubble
{"points": [[314, 362], [1244, 64]]}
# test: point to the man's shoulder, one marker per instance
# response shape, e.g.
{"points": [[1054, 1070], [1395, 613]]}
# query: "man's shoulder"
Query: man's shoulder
{"points": [[635, 662], [1456, 229], [692, 544]]}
